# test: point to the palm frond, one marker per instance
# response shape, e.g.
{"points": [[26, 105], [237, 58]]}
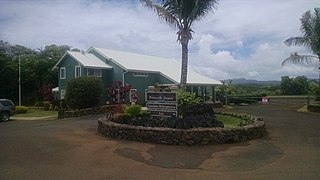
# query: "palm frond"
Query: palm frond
{"points": [[165, 15], [295, 58], [310, 28], [201, 8], [296, 41], [307, 25], [315, 37]]}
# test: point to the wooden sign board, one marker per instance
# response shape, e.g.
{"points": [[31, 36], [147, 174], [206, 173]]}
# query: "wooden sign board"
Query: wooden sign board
{"points": [[163, 113], [161, 96], [162, 106], [264, 100]]}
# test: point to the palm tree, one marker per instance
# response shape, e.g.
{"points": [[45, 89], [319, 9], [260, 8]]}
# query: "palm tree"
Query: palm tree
{"points": [[180, 14], [310, 28]]}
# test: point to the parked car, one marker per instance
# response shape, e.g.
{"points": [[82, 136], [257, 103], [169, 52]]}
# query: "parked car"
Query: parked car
{"points": [[7, 109]]}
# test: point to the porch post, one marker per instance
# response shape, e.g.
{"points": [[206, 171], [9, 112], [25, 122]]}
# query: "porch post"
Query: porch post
{"points": [[214, 95]]}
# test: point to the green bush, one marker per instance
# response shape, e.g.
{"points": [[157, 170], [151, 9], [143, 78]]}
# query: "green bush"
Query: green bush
{"points": [[245, 99], [84, 92], [187, 98], [317, 95], [21, 109], [123, 116], [38, 103], [144, 114], [46, 105], [133, 110]]}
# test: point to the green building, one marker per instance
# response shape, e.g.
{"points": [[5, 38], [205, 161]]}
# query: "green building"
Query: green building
{"points": [[137, 70]]}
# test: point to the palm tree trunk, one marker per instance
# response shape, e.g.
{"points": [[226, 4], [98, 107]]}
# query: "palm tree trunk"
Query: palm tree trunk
{"points": [[184, 62]]}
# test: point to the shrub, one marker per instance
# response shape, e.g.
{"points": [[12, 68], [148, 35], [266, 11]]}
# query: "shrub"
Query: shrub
{"points": [[122, 92], [245, 119], [186, 99], [21, 109], [133, 110], [38, 103], [144, 114], [45, 92], [317, 94], [46, 105], [119, 108], [84, 92], [123, 117], [245, 99]]}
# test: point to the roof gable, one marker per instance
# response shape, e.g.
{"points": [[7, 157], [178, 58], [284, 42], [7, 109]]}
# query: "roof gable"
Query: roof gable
{"points": [[87, 60]]}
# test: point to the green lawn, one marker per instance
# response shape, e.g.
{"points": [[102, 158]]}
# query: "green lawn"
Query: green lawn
{"points": [[37, 112], [228, 121]]}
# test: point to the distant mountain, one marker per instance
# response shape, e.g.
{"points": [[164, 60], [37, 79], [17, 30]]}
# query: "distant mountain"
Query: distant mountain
{"points": [[252, 81]]}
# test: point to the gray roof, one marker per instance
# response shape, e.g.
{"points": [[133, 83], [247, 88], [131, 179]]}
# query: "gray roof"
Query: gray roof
{"points": [[86, 60], [166, 66]]}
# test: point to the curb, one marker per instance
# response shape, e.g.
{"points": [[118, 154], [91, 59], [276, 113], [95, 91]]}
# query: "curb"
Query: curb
{"points": [[31, 118]]}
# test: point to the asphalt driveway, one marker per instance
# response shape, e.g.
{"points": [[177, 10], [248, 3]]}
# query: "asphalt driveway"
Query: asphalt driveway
{"points": [[71, 149]]}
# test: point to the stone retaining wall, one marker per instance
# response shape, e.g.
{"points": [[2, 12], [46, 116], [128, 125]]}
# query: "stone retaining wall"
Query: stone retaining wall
{"points": [[195, 136], [84, 112], [313, 108]]}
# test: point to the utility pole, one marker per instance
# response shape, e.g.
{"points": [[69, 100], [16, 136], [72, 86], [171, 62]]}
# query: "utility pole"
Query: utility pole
{"points": [[19, 83]]}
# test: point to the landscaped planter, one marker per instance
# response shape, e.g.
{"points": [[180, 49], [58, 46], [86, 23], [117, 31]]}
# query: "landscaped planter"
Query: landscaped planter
{"points": [[194, 136]]}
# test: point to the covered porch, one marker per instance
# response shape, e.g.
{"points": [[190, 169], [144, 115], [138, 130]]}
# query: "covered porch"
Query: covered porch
{"points": [[206, 91]]}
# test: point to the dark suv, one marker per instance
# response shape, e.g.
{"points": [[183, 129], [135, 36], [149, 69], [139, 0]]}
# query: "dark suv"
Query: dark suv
{"points": [[7, 109]]}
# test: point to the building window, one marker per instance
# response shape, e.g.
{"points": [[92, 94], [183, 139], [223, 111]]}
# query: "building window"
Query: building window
{"points": [[117, 95], [62, 73], [77, 71], [140, 74], [90, 72], [94, 72], [98, 72], [133, 95], [62, 94]]}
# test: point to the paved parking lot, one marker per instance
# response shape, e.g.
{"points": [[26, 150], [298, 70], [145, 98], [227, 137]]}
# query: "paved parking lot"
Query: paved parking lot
{"points": [[71, 149]]}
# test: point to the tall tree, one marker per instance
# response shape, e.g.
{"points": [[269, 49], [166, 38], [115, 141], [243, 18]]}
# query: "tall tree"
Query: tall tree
{"points": [[36, 69], [181, 14], [294, 86], [310, 28]]}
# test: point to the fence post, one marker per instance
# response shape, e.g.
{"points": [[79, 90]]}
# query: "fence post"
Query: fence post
{"points": [[226, 99]]}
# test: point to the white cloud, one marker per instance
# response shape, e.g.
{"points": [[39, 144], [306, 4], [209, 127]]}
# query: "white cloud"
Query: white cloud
{"points": [[264, 63], [241, 39]]}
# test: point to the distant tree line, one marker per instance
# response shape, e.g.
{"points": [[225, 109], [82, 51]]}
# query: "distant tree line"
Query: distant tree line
{"points": [[299, 85], [36, 70]]}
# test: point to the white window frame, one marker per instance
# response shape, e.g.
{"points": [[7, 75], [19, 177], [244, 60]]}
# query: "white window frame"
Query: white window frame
{"points": [[62, 94], [64, 74], [96, 72], [117, 93], [130, 95], [75, 71], [140, 74], [145, 94]]}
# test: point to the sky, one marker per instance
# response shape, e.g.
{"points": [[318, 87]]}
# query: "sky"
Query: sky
{"points": [[240, 39]]}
